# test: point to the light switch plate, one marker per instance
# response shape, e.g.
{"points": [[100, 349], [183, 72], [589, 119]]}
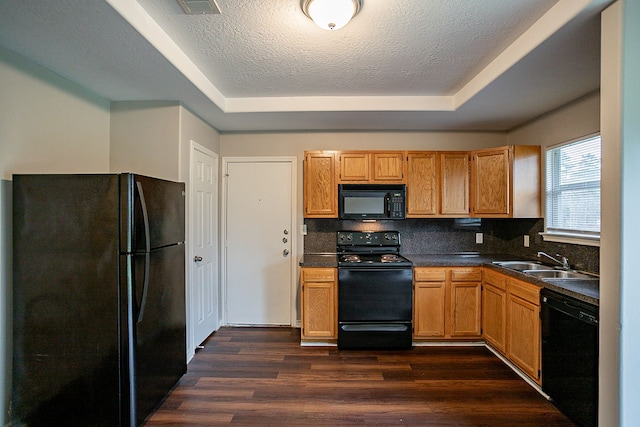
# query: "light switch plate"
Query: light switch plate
{"points": [[303, 229], [526, 241], [479, 238]]}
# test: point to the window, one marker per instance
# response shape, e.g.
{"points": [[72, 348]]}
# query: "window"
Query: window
{"points": [[573, 192]]}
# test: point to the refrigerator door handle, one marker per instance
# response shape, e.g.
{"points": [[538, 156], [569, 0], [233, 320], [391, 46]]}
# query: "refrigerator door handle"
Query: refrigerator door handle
{"points": [[145, 218], [147, 260]]}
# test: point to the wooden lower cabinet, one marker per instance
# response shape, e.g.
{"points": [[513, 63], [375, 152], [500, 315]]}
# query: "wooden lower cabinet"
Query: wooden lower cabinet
{"points": [[511, 320], [429, 301], [523, 330], [446, 303], [319, 303], [494, 310]]}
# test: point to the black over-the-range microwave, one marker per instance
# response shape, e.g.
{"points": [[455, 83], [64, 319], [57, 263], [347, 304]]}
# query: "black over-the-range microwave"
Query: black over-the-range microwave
{"points": [[372, 201]]}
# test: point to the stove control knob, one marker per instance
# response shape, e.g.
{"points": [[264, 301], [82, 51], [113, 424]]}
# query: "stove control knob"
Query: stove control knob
{"points": [[349, 237]]}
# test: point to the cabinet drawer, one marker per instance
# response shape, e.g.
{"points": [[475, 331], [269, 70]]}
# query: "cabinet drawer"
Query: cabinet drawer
{"points": [[318, 274], [466, 275], [526, 291], [429, 275], [494, 279]]}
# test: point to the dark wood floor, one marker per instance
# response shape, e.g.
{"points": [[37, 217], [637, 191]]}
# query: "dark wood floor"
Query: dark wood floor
{"points": [[262, 376]]}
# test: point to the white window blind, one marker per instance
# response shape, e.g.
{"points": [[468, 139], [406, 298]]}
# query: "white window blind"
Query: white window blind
{"points": [[573, 188]]}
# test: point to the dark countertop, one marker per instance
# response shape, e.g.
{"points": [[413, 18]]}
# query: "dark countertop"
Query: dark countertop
{"points": [[583, 290], [329, 259]]}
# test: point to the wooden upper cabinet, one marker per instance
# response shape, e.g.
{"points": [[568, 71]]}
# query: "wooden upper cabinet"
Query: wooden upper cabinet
{"points": [[388, 166], [371, 166], [354, 166], [320, 187], [505, 182], [454, 184], [421, 184], [491, 181], [437, 184]]}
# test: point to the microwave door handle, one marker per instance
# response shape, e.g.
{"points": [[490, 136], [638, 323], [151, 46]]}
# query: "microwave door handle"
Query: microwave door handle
{"points": [[387, 199]]}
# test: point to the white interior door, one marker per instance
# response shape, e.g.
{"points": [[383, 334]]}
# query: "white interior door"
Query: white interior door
{"points": [[258, 241], [204, 295]]}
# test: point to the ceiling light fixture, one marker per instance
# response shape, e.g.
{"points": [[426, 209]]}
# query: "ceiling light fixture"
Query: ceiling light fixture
{"points": [[331, 14]]}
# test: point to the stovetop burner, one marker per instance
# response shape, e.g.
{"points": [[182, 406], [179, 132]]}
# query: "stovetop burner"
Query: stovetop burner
{"points": [[370, 249]]}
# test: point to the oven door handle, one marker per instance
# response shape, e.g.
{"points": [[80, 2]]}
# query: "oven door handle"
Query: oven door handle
{"points": [[374, 327]]}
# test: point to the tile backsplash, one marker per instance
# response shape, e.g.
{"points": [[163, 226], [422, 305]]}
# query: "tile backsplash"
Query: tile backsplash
{"points": [[443, 236]]}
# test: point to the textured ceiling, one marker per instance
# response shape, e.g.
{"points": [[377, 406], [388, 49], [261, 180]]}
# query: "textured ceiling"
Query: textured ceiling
{"points": [[264, 66]]}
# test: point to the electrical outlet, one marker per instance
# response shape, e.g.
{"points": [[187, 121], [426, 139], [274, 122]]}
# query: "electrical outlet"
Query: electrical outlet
{"points": [[479, 238], [303, 229], [526, 241]]}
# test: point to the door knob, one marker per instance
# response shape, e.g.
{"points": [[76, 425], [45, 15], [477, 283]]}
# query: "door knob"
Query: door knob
{"points": [[197, 258], [285, 252]]}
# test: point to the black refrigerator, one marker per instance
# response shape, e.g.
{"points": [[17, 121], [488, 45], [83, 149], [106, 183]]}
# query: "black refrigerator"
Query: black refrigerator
{"points": [[99, 325]]}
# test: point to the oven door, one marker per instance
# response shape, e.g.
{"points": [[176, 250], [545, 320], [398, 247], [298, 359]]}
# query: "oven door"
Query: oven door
{"points": [[375, 294], [374, 308]]}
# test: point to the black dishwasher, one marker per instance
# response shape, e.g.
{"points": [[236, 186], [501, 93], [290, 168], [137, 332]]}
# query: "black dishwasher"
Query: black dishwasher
{"points": [[570, 356]]}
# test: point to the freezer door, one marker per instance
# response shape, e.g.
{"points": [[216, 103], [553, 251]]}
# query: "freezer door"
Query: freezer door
{"points": [[160, 325], [155, 206]]}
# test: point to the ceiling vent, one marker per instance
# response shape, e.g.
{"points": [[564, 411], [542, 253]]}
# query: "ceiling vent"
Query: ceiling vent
{"points": [[199, 7]]}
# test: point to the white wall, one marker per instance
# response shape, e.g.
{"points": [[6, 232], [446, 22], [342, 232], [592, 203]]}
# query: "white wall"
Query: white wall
{"points": [[192, 128], [571, 121], [47, 125], [145, 138], [629, 296], [610, 240]]}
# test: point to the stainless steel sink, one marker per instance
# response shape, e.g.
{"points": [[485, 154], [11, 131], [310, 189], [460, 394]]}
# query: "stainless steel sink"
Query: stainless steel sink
{"points": [[523, 265], [557, 274]]}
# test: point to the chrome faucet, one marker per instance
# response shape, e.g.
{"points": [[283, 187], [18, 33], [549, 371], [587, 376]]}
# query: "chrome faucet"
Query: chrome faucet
{"points": [[564, 260]]}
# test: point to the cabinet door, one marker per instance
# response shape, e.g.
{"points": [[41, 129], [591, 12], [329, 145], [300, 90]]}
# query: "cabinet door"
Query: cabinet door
{"points": [[388, 166], [354, 166], [429, 309], [494, 316], [465, 309], [464, 298], [320, 187], [454, 184], [523, 336], [490, 177], [421, 184], [429, 302], [319, 298]]}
